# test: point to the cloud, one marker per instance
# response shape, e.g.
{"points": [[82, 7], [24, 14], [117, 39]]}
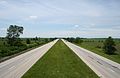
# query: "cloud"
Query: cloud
{"points": [[3, 32], [3, 29], [79, 32], [76, 26], [3, 2], [92, 24], [81, 15], [33, 17]]}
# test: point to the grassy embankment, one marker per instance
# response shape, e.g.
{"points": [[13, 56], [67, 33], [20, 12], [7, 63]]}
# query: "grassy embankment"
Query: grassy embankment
{"points": [[95, 45], [60, 62], [7, 51]]}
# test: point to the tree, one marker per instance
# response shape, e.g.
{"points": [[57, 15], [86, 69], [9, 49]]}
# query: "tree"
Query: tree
{"points": [[13, 33], [70, 39], [78, 40], [109, 46], [46, 40], [28, 41], [36, 38]]}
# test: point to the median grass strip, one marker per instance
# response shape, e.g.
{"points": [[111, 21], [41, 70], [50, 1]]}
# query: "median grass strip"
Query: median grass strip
{"points": [[60, 62]]}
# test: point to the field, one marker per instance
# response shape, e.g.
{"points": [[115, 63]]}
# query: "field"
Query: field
{"points": [[7, 50], [96, 45], [60, 62]]}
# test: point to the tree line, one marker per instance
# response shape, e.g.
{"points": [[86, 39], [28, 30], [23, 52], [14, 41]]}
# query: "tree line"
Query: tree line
{"points": [[108, 44]]}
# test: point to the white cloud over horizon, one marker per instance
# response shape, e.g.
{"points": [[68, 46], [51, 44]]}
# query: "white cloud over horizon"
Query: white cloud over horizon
{"points": [[88, 18]]}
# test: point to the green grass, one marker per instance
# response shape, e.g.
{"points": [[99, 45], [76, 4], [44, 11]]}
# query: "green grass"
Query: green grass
{"points": [[7, 51], [60, 62], [96, 47]]}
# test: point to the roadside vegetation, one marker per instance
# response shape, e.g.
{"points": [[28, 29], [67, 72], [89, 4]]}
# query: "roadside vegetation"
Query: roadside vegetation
{"points": [[13, 44], [74, 40], [107, 47], [60, 62]]}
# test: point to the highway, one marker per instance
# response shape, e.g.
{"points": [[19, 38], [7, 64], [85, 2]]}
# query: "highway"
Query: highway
{"points": [[17, 66], [103, 67]]}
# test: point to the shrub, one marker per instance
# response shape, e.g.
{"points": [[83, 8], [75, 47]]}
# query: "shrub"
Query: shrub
{"points": [[28, 41], [98, 46], [5, 52], [109, 46], [78, 40]]}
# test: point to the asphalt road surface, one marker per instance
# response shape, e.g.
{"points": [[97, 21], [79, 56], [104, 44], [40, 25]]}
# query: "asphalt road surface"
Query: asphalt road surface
{"points": [[17, 66], [103, 67]]}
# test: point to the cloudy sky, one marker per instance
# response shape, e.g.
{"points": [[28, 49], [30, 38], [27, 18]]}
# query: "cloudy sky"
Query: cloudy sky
{"points": [[62, 18]]}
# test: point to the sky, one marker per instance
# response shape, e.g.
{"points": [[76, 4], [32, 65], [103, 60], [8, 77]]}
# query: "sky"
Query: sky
{"points": [[62, 18]]}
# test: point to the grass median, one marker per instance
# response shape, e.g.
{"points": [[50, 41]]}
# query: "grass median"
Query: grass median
{"points": [[60, 62]]}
